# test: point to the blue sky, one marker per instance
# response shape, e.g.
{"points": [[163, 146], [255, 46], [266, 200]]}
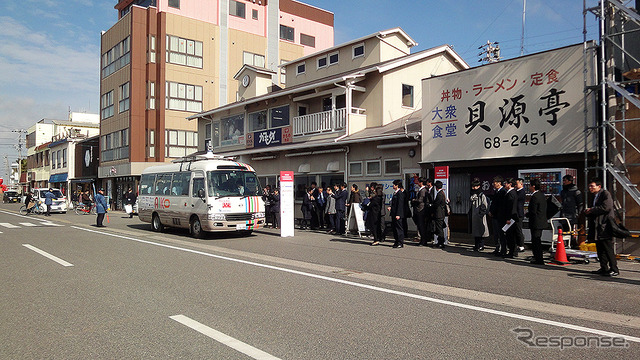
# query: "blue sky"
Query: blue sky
{"points": [[50, 49]]}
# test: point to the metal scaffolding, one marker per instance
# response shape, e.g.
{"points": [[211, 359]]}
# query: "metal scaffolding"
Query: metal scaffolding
{"points": [[618, 83]]}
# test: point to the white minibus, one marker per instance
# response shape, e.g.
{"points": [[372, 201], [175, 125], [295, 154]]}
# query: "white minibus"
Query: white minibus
{"points": [[201, 193]]}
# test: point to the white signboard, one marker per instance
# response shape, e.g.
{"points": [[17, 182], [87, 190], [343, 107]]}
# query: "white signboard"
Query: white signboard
{"points": [[529, 106], [287, 217]]}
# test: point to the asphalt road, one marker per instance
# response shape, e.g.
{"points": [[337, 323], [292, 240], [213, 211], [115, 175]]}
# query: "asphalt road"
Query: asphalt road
{"points": [[74, 291]]}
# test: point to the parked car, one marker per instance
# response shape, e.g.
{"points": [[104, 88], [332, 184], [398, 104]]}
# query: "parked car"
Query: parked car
{"points": [[59, 203], [11, 197]]}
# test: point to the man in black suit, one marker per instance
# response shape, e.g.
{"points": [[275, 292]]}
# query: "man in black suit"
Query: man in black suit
{"points": [[600, 216], [439, 212], [396, 210], [428, 210], [510, 213], [419, 209], [520, 207], [341, 200], [497, 222], [537, 220]]}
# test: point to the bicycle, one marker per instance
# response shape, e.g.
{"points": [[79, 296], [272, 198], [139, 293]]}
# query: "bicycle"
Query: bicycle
{"points": [[83, 209], [37, 209]]}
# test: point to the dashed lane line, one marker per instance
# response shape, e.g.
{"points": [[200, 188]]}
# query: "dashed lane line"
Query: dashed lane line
{"points": [[47, 255]]}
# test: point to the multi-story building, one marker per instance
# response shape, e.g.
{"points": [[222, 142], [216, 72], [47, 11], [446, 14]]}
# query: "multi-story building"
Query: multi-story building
{"points": [[165, 60], [50, 148], [348, 113]]}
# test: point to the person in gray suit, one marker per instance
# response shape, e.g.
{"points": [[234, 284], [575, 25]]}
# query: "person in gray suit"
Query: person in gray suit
{"points": [[600, 216]]}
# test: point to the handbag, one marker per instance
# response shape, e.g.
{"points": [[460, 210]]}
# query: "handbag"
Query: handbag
{"points": [[618, 230], [128, 208]]}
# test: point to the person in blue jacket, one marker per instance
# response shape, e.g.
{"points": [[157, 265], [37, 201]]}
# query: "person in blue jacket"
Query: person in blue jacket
{"points": [[101, 207], [48, 200]]}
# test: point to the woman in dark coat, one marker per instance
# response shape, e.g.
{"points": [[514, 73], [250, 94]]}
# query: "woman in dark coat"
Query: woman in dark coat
{"points": [[374, 217]]}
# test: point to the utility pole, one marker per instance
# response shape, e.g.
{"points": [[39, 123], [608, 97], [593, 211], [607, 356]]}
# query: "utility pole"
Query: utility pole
{"points": [[524, 10], [490, 52], [21, 141]]}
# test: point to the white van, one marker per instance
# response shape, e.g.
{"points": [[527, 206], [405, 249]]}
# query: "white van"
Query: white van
{"points": [[59, 203]]}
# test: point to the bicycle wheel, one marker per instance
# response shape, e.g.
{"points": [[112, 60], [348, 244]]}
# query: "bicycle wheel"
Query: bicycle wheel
{"points": [[93, 211], [79, 209], [38, 210], [23, 210]]}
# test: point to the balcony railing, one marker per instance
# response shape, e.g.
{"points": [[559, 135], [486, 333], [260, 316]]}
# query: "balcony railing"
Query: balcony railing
{"points": [[318, 123]]}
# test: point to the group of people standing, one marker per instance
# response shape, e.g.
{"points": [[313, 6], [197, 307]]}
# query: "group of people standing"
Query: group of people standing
{"points": [[271, 198], [325, 208]]}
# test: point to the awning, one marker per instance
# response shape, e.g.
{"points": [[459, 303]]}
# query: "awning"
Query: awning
{"points": [[73, 181], [56, 178]]}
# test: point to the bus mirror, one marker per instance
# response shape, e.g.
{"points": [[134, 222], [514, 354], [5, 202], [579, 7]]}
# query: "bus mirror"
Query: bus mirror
{"points": [[201, 193]]}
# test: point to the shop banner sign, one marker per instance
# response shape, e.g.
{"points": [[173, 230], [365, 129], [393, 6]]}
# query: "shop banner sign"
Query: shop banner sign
{"points": [[287, 217], [530, 106], [268, 138]]}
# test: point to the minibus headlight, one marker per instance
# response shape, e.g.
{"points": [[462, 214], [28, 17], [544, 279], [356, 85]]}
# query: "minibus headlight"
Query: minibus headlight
{"points": [[258, 215]]}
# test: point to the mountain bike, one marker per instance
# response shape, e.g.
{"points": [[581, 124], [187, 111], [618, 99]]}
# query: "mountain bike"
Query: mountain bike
{"points": [[37, 209]]}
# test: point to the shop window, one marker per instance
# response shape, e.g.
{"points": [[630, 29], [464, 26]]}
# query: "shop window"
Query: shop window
{"points": [[258, 120], [373, 167], [392, 167], [280, 116], [233, 130], [355, 168]]}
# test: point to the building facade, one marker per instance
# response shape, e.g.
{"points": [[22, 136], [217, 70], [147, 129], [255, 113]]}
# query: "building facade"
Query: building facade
{"points": [[350, 113], [167, 59]]}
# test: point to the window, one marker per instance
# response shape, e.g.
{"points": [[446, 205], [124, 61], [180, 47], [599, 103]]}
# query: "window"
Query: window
{"points": [[180, 143], [358, 50], [252, 59], [183, 97], [115, 146], [301, 68], [373, 167], [152, 49], [307, 40], [59, 157], [254, 14], [152, 141], [355, 168], [64, 157], [258, 120], [163, 184], [116, 58], [146, 184], [280, 116], [392, 167], [185, 52], [53, 159], [232, 130], [333, 58], [124, 97], [237, 8], [151, 95], [286, 33], [106, 105], [322, 62], [407, 95], [174, 4]]}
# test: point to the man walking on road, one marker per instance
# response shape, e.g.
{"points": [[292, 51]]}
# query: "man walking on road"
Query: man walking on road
{"points": [[600, 216], [129, 200], [101, 207]]}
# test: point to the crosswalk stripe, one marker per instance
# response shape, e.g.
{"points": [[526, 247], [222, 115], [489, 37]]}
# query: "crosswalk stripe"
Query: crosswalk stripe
{"points": [[10, 226], [28, 224], [48, 223]]}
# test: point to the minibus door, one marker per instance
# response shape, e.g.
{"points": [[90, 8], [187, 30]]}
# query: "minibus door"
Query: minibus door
{"points": [[198, 196]]}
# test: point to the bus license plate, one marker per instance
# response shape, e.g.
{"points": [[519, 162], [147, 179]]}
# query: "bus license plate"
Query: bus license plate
{"points": [[241, 227]]}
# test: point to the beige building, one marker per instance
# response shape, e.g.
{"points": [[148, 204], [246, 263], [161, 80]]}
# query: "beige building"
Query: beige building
{"points": [[349, 113]]}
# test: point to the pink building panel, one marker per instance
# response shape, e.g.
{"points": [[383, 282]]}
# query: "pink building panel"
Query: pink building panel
{"points": [[322, 33], [200, 10], [249, 24]]}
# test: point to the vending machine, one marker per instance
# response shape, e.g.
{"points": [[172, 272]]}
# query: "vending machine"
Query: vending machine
{"points": [[551, 181]]}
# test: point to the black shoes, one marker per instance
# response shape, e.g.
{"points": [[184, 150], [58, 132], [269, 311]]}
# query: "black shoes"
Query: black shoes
{"points": [[613, 273], [536, 262], [398, 246], [600, 272]]}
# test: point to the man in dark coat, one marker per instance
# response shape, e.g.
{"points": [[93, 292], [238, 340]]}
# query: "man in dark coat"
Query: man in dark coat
{"points": [[522, 197], [510, 214], [130, 199], [419, 209], [428, 213], [439, 212], [341, 200], [600, 216], [572, 200], [497, 222], [537, 220], [396, 210]]}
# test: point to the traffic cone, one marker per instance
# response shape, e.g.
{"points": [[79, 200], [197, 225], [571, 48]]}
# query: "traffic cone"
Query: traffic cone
{"points": [[561, 254]]}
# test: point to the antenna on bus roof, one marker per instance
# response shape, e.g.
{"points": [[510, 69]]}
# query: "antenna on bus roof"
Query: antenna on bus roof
{"points": [[209, 155]]}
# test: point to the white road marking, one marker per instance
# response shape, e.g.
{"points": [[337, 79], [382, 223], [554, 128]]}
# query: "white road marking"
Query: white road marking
{"points": [[388, 291], [10, 226], [223, 338], [49, 223], [47, 255], [27, 224]]}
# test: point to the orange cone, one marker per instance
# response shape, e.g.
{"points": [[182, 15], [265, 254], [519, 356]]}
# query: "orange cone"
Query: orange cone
{"points": [[561, 254]]}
